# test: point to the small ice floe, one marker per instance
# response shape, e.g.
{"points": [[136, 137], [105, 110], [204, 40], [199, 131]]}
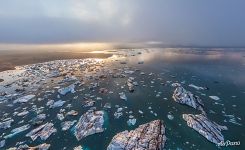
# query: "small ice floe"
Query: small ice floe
{"points": [[56, 104], [43, 131], [214, 98], [232, 119], [128, 71], [24, 99], [170, 116], [6, 124], [72, 113], [17, 131], [88, 103], [23, 113], [60, 117], [38, 119], [2, 143], [78, 148], [67, 125], [122, 96], [131, 122], [118, 113], [141, 112], [197, 87], [130, 84], [158, 94], [175, 84], [65, 90], [107, 105]]}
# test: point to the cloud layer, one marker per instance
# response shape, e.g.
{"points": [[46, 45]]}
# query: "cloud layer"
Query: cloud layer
{"points": [[172, 22]]}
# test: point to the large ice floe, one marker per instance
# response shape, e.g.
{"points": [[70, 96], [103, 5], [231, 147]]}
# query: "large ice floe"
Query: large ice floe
{"points": [[183, 96], [149, 136], [43, 131], [89, 123], [207, 128]]}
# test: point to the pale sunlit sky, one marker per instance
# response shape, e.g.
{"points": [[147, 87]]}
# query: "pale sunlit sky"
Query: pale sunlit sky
{"points": [[151, 22]]}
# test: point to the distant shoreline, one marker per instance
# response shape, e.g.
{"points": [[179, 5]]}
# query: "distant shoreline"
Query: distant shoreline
{"points": [[10, 59]]}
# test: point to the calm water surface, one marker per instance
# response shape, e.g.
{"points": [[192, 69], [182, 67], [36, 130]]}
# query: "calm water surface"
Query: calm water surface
{"points": [[221, 70]]}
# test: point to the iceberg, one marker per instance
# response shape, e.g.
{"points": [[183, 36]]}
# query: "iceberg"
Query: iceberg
{"points": [[183, 96], [43, 131], [207, 128], [89, 123], [149, 136]]}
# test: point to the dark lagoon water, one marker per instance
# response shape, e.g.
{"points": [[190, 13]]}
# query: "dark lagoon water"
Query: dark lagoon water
{"points": [[221, 70]]}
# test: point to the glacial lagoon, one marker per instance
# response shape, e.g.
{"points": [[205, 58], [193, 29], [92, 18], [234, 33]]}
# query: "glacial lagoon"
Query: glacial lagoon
{"points": [[65, 90]]}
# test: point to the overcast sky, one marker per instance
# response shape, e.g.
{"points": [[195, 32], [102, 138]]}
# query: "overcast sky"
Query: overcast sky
{"points": [[174, 22]]}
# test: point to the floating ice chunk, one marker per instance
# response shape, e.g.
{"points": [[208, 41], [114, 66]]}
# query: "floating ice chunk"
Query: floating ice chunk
{"points": [[78, 148], [17, 131], [60, 117], [72, 113], [233, 119], [118, 114], [23, 113], [196, 87], [65, 90], [39, 119], [67, 124], [129, 71], [2, 143], [215, 98], [131, 122], [6, 124], [88, 103], [175, 84], [170, 117], [58, 103], [24, 99], [140, 111], [122, 96], [89, 123], [207, 128], [43, 131], [50, 102], [107, 105]]}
